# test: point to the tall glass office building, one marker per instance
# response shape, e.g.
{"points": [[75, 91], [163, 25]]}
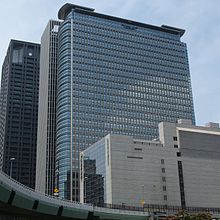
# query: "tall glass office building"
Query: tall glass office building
{"points": [[19, 111], [115, 76]]}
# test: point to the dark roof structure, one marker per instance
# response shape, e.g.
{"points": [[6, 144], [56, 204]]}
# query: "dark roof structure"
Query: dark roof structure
{"points": [[67, 8]]}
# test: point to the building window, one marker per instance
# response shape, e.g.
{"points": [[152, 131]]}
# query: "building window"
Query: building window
{"points": [[165, 197], [108, 151], [17, 56], [163, 170], [181, 183], [175, 146], [162, 161], [174, 138], [138, 149], [132, 157], [164, 188], [164, 179], [178, 154], [30, 51]]}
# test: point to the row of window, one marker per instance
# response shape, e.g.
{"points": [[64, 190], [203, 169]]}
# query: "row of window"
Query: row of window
{"points": [[116, 26]]}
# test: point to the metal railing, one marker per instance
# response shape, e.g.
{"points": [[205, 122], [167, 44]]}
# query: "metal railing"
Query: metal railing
{"points": [[121, 207], [167, 208]]}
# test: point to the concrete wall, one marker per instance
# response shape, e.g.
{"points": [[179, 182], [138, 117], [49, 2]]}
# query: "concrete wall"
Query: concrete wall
{"points": [[46, 139], [201, 168], [137, 172], [201, 182], [42, 112]]}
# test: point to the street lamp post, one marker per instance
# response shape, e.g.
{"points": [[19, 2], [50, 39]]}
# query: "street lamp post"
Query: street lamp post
{"points": [[11, 166]]}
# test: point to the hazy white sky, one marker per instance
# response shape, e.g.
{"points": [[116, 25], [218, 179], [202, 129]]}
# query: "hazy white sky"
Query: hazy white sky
{"points": [[26, 20]]}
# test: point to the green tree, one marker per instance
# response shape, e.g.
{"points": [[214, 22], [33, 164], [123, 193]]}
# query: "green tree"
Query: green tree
{"points": [[184, 215], [202, 216]]}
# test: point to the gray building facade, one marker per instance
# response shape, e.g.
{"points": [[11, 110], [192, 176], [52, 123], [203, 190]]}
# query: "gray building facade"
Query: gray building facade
{"points": [[115, 76], [134, 171], [19, 109], [46, 174], [180, 169], [198, 161]]}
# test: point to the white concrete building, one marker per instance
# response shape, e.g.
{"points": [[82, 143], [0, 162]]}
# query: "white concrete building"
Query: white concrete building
{"points": [[181, 168]]}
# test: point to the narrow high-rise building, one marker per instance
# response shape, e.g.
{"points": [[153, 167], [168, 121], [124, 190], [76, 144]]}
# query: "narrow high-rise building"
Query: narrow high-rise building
{"points": [[18, 111], [46, 139], [114, 76]]}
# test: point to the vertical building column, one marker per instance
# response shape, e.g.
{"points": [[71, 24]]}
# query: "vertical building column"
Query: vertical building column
{"points": [[71, 115], [181, 182]]}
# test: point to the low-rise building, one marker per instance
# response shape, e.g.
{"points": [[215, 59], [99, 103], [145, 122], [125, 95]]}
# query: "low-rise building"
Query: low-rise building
{"points": [[198, 161], [181, 168]]}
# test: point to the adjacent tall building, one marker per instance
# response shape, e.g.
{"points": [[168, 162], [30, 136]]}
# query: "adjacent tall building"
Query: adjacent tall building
{"points": [[19, 109], [46, 138], [114, 76]]}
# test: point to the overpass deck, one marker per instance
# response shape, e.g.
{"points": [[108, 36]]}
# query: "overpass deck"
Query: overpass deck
{"points": [[19, 200]]}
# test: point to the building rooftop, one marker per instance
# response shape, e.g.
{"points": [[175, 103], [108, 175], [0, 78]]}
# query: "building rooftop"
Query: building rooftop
{"points": [[67, 8]]}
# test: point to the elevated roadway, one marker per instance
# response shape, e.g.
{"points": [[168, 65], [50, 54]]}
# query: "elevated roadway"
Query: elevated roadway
{"points": [[17, 200]]}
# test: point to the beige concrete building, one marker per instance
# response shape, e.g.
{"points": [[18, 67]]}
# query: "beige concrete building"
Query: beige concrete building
{"points": [[181, 168]]}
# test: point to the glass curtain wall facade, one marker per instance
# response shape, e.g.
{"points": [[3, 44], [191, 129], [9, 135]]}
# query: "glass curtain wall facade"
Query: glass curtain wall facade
{"points": [[93, 165], [115, 76], [46, 173], [19, 109]]}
